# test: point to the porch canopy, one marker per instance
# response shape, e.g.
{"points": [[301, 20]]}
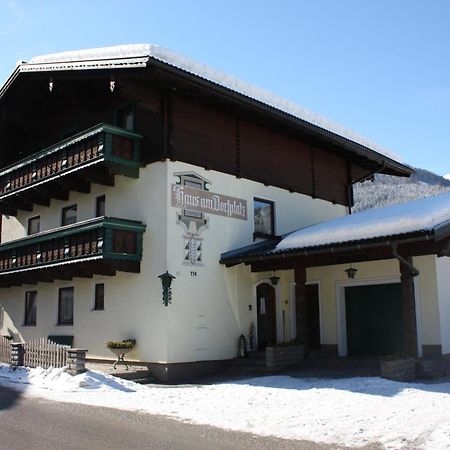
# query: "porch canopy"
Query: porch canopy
{"points": [[419, 227]]}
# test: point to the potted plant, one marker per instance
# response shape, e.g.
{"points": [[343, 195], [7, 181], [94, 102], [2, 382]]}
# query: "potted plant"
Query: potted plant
{"points": [[120, 349], [284, 354]]}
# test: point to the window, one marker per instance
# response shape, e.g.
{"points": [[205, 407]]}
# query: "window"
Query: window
{"points": [[65, 306], [264, 217], [125, 117], [193, 184], [30, 308], [34, 225], [100, 206], [99, 299], [197, 184], [69, 215], [124, 242]]}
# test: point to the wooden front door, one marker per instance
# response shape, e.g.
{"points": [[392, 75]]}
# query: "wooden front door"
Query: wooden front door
{"points": [[313, 314], [267, 328]]}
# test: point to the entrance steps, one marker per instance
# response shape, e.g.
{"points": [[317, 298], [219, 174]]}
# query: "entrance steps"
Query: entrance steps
{"points": [[255, 362]]}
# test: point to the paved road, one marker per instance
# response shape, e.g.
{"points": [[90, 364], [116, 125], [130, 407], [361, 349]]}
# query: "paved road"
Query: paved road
{"points": [[30, 423]]}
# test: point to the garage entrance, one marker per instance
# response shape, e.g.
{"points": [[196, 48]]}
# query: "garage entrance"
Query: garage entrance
{"points": [[374, 319]]}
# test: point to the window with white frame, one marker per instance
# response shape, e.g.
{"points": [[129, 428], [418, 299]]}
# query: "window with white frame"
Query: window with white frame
{"points": [[34, 225], [99, 297], [264, 217], [30, 308], [69, 215], [65, 306], [100, 204]]}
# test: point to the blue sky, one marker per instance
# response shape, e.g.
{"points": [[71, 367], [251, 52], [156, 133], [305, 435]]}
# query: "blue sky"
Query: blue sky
{"points": [[381, 68]]}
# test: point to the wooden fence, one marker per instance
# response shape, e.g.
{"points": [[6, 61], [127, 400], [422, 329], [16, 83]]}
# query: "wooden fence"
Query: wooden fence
{"points": [[44, 353], [5, 350]]}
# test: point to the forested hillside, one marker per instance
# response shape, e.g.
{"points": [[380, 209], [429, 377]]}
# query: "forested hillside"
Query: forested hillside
{"points": [[388, 190]]}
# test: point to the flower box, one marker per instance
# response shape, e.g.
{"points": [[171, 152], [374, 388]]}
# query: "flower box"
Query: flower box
{"points": [[281, 356], [398, 369]]}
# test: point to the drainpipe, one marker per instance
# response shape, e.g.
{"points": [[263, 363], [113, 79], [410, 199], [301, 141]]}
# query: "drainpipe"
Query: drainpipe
{"points": [[413, 270]]}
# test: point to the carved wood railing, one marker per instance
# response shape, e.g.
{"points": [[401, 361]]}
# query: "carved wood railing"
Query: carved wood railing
{"points": [[110, 148], [106, 238]]}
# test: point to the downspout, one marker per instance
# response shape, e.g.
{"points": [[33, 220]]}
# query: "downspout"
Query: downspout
{"points": [[413, 270]]}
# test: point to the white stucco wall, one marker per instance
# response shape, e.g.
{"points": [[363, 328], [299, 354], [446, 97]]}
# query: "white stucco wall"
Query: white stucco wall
{"points": [[210, 307], [429, 305], [333, 278], [12, 228], [443, 288], [211, 310], [132, 301]]}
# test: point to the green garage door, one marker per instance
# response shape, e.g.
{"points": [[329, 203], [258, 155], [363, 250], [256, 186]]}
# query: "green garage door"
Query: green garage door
{"points": [[374, 319]]}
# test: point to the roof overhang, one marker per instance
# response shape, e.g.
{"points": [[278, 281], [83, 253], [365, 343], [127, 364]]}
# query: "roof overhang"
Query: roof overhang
{"points": [[235, 91], [265, 255]]}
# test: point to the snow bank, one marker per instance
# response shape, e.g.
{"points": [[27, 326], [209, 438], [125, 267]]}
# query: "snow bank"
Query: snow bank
{"points": [[353, 411], [417, 215]]}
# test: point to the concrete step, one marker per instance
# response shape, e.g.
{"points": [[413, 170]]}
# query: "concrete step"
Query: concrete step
{"points": [[244, 362], [257, 354], [146, 380], [247, 370]]}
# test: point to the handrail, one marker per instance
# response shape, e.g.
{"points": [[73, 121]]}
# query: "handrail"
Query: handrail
{"points": [[107, 222], [97, 129]]}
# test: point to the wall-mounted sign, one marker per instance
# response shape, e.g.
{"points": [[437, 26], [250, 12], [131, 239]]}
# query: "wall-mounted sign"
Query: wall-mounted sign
{"points": [[193, 199], [262, 305]]}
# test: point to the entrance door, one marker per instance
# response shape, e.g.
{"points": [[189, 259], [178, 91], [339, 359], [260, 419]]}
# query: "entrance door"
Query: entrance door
{"points": [[374, 319], [267, 328], [312, 305]]}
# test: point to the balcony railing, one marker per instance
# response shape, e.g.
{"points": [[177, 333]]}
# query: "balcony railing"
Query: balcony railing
{"points": [[95, 155], [97, 246]]}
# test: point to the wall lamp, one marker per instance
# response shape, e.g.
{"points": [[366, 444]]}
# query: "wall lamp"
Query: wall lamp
{"points": [[166, 281], [351, 272]]}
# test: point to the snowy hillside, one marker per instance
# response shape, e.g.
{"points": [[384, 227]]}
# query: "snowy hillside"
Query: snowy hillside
{"points": [[388, 190]]}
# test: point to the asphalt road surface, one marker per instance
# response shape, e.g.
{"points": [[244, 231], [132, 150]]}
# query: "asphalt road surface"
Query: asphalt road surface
{"points": [[31, 423]]}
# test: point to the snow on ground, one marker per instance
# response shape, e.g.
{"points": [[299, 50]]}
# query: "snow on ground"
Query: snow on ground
{"points": [[352, 411]]}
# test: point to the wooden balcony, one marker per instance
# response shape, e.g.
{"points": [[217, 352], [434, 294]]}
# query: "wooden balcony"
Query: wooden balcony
{"points": [[97, 246], [93, 156]]}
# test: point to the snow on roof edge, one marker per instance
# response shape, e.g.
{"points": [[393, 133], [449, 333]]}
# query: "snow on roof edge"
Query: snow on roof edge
{"points": [[67, 59], [424, 214]]}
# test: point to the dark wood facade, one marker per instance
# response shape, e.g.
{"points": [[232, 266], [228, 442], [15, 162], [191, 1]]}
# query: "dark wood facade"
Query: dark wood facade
{"points": [[183, 118]]}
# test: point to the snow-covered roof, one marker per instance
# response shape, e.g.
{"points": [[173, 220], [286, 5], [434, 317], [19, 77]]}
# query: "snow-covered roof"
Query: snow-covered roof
{"points": [[138, 55], [418, 215], [427, 218]]}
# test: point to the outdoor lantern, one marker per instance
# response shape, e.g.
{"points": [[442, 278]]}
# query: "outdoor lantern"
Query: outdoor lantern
{"points": [[166, 281], [351, 272], [274, 279]]}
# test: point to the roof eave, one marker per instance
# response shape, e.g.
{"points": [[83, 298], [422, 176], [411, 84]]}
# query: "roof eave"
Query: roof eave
{"points": [[405, 238], [389, 165]]}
